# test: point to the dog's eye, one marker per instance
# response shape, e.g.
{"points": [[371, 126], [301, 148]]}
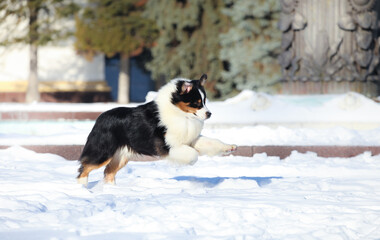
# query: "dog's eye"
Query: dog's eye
{"points": [[198, 104]]}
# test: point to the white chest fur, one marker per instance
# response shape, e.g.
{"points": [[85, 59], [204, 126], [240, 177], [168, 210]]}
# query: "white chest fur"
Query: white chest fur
{"points": [[183, 131], [182, 128]]}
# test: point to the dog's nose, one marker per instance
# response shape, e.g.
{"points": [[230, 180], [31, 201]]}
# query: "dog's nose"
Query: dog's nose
{"points": [[208, 115]]}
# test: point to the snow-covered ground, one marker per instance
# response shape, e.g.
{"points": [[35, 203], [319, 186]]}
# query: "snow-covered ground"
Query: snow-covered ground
{"points": [[301, 197]]}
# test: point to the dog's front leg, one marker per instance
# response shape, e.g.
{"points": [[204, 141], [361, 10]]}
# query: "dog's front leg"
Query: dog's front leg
{"points": [[183, 154], [212, 147]]}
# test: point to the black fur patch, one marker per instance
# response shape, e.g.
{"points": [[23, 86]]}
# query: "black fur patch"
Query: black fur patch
{"points": [[193, 98], [136, 128]]}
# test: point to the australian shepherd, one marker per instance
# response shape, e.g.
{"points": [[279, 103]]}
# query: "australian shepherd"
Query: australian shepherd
{"points": [[169, 127]]}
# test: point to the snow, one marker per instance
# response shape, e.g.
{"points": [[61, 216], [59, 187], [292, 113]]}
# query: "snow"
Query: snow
{"points": [[252, 108], [261, 108], [301, 197], [250, 118], [261, 197], [75, 133]]}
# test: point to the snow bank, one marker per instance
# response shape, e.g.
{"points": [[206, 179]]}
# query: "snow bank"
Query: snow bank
{"points": [[257, 108], [301, 197], [76, 132], [249, 118], [251, 108]]}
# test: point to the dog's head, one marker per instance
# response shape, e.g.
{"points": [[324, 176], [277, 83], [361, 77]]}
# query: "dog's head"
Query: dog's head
{"points": [[190, 97]]}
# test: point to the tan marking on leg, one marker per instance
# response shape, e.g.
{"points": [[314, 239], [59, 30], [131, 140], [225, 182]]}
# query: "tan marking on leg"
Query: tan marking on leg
{"points": [[83, 176], [119, 160]]}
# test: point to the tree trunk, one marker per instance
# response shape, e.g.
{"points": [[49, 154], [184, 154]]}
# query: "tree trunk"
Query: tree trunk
{"points": [[124, 80], [32, 93]]}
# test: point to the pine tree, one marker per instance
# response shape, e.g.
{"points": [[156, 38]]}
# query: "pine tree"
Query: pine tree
{"points": [[115, 27], [189, 39], [41, 17], [251, 46]]}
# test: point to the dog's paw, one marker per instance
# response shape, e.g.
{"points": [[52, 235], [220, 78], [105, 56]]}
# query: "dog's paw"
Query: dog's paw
{"points": [[183, 161], [229, 149], [83, 181], [183, 155]]}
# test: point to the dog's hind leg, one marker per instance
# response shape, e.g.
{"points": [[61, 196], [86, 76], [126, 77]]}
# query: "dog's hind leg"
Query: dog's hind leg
{"points": [[85, 170], [119, 160]]}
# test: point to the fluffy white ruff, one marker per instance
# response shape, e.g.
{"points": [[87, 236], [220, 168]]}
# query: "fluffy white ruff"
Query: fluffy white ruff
{"points": [[182, 128]]}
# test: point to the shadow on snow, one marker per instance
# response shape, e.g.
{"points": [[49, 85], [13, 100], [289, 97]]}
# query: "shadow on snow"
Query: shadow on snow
{"points": [[214, 181], [209, 182]]}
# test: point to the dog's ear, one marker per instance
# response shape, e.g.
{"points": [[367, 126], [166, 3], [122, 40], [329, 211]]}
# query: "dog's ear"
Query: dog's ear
{"points": [[203, 79], [186, 87]]}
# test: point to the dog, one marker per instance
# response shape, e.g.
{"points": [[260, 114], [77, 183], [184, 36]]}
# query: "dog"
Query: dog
{"points": [[168, 127]]}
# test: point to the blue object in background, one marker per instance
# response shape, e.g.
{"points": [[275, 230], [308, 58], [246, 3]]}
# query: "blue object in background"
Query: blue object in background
{"points": [[140, 80], [112, 75]]}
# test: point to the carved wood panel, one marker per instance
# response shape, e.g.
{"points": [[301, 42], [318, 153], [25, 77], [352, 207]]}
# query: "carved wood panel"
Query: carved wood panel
{"points": [[330, 40]]}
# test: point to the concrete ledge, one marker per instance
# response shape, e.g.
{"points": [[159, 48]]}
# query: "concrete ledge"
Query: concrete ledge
{"points": [[322, 151], [72, 152]]}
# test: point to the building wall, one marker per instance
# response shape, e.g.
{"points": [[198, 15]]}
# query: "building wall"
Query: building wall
{"points": [[64, 76], [55, 63]]}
